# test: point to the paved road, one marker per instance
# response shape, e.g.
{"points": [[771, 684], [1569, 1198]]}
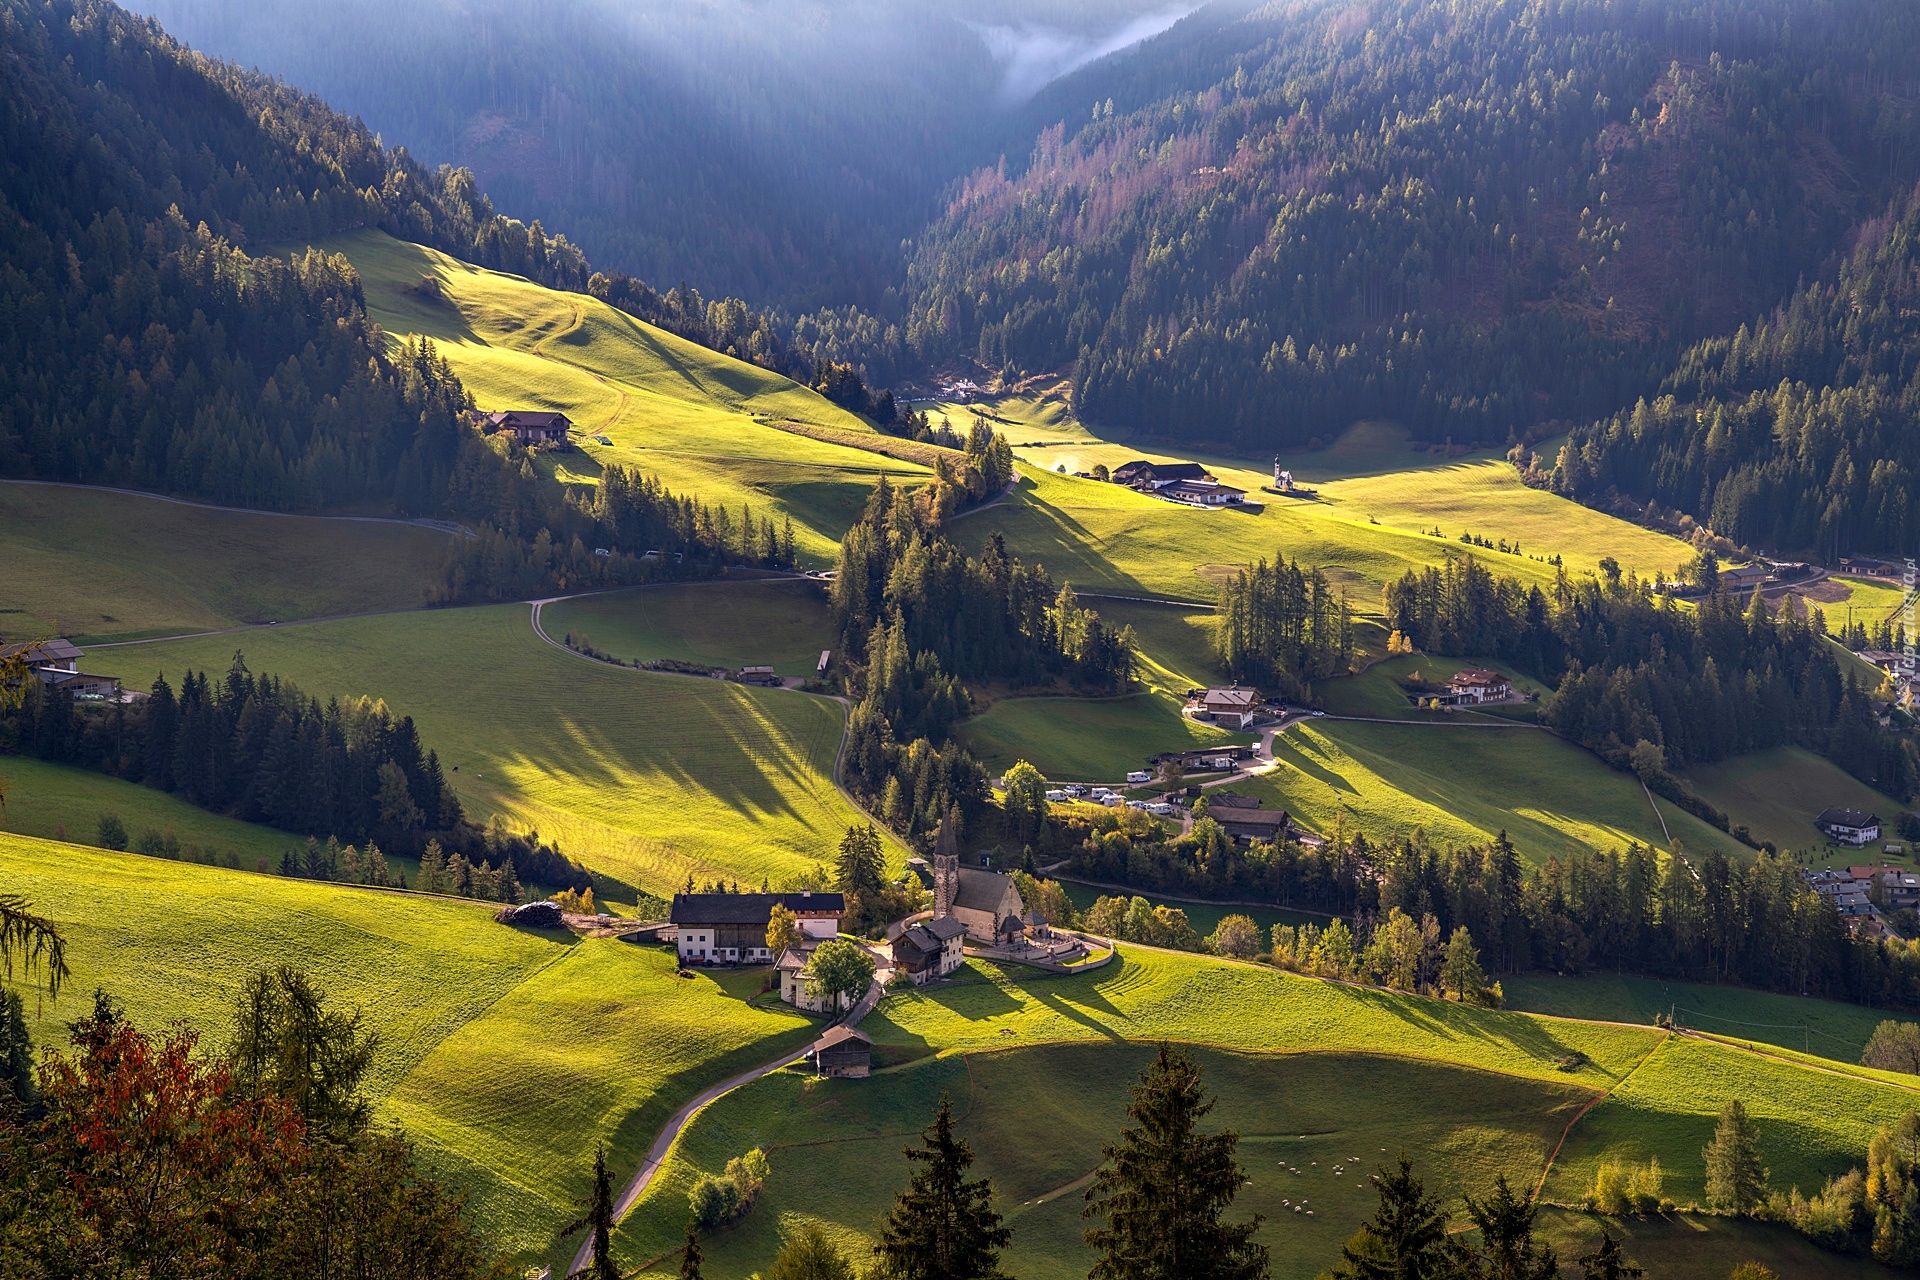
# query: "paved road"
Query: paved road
{"points": [[663, 1142]]}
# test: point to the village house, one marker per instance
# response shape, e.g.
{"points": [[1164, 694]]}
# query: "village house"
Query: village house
{"points": [[1744, 578], [1229, 708], [1200, 493], [759, 675], [790, 975], [532, 426], [57, 664], [1849, 826], [1477, 685], [1141, 474], [1250, 826], [731, 928], [931, 950], [845, 1052]]}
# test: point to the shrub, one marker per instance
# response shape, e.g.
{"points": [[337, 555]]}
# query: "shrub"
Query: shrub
{"points": [[109, 833], [157, 844], [718, 1201], [1621, 1188], [1895, 1046], [1236, 936]]}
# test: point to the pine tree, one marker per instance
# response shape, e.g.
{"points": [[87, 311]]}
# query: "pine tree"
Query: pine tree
{"points": [[1506, 1237], [1406, 1237], [690, 1253], [16, 1049], [1164, 1186], [942, 1227], [1736, 1180], [1609, 1263], [597, 1217]]}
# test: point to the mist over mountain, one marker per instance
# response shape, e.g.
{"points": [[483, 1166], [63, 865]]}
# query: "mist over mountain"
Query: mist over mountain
{"points": [[779, 152]]}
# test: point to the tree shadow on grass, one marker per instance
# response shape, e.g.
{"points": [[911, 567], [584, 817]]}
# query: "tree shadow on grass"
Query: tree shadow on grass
{"points": [[1447, 1021], [1285, 751]]}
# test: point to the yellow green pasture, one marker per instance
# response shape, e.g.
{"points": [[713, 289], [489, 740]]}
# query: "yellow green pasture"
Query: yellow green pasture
{"points": [[1463, 785], [670, 407], [775, 621], [645, 778], [96, 565], [62, 802], [1778, 794], [507, 1054]]}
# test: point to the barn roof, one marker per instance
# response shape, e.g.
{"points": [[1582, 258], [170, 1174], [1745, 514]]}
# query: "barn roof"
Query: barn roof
{"points": [[750, 908]]}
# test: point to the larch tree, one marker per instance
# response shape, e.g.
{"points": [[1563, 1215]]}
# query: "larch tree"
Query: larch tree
{"points": [[1165, 1186], [783, 930], [943, 1226]]}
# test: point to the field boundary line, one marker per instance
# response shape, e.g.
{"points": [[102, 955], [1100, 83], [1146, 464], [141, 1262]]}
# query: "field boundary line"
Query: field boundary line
{"points": [[1730, 1042], [449, 527], [1579, 1115]]}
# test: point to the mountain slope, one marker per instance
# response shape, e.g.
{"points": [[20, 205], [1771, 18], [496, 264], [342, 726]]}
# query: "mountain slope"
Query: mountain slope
{"points": [[1476, 218]]}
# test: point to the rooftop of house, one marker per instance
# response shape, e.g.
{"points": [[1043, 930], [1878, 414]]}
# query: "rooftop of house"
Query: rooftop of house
{"points": [[1476, 676], [1235, 697], [1846, 818], [839, 1036], [751, 908], [46, 651], [529, 418], [1228, 800], [1270, 818], [1188, 484]]}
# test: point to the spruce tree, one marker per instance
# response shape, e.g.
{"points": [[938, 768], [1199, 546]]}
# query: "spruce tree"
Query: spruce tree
{"points": [[597, 1216], [1736, 1180], [690, 1253], [1608, 1262], [1407, 1236], [1164, 1186], [942, 1227], [1506, 1237]]}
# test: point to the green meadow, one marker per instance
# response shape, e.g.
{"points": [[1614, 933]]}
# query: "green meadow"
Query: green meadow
{"points": [[1463, 784], [1297, 1064], [835, 1146], [1778, 793], [94, 566], [670, 407], [645, 778], [62, 802], [1824, 1028], [507, 1054], [775, 621], [1086, 739]]}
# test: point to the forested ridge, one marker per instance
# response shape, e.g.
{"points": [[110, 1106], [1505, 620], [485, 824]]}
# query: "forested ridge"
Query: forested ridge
{"points": [[1473, 218], [1795, 433]]}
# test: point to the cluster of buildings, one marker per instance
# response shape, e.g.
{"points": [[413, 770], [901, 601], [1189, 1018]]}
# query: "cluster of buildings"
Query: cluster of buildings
{"points": [[1860, 894], [1183, 482], [56, 664]]}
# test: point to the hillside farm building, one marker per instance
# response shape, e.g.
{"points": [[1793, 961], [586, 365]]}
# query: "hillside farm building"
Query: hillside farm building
{"points": [[731, 928], [1200, 493], [1477, 685], [845, 1052], [532, 426], [759, 675], [1141, 474], [1229, 708], [1849, 826], [57, 664], [1745, 578]]}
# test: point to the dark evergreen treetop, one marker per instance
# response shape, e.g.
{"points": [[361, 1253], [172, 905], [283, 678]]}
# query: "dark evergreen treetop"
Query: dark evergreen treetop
{"points": [[1406, 1237], [1165, 1185], [942, 1227]]}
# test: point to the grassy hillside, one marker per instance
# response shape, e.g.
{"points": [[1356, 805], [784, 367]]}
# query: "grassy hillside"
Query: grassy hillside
{"points": [[1778, 793], [1826, 1028], [1464, 785], [722, 624], [507, 1054], [671, 408], [835, 1146], [1376, 501], [1086, 739], [60, 802], [1467, 1092], [645, 778], [99, 566]]}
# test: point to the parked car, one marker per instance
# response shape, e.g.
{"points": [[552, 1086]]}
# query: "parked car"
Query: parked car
{"points": [[1318, 714], [1076, 792]]}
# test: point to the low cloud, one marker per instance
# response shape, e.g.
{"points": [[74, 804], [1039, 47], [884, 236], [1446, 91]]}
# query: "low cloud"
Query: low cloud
{"points": [[1031, 58]]}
